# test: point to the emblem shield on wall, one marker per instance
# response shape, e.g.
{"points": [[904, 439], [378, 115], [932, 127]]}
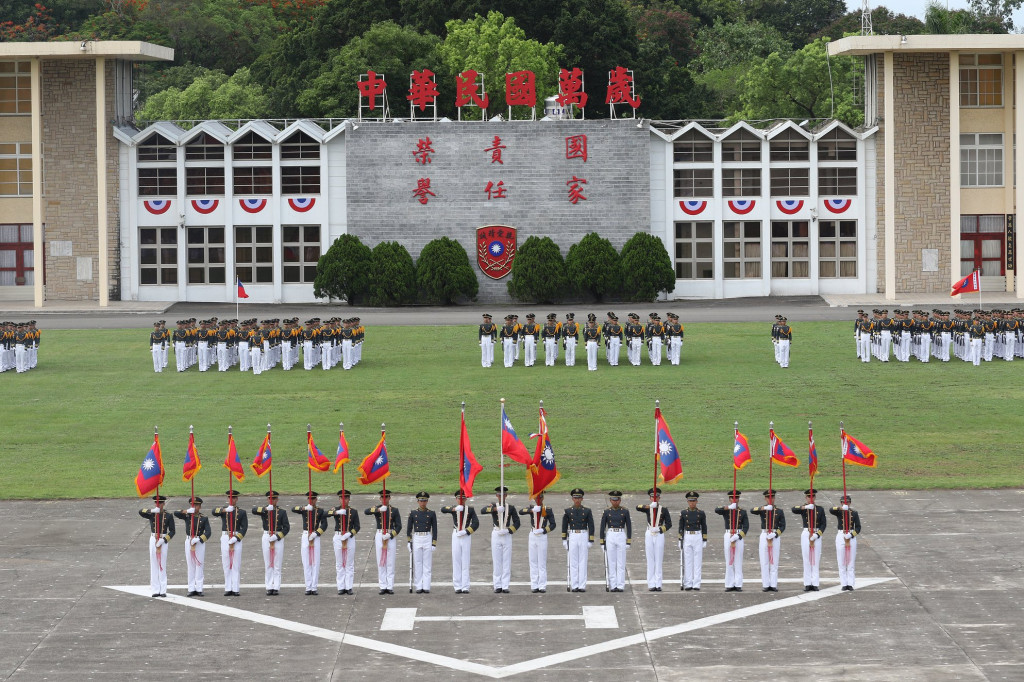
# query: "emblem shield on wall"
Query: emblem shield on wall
{"points": [[495, 249]]}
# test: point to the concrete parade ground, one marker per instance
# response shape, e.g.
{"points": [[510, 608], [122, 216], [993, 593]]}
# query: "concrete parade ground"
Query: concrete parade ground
{"points": [[938, 597]]}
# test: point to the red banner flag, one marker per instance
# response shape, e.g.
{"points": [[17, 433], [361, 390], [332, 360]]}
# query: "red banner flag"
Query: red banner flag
{"points": [[342, 456], [971, 282], [264, 458], [781, 452], [192, 463], [812, 456], [316, 461], [151, 472], [856, 452], [375, 466], [740, 452], [510, 443], [469, 467], [232, 462], [542, 472], [668, 455]]}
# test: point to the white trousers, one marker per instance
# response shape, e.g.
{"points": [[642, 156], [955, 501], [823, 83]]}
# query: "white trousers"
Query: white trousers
{"points": [[530, 349], [675, 348], [223, 357], [570, 352], [846, 557], [611, 353], [273, 559], [243, 356], [344, 561], [693, 559], [592, 355], [975, 352], [310, 555], [195, 564], [579, 547], [883, 351], [864, 347], [231, 559], [423, 561], [385, 568], [990, 340], [615, 546], [180, 361], [654, 545], [633, 351], [812, 557], [486, 351], [256, 359], [347, 352], [1009, 344], [769, 555], [307, 355], [157, 567], [925, 347], [654, 350], [501, 557], [784, 352], [461, 546], [550, 351], [204, 356], [508, 347], [538, 546], [163, 354], [325, 356], [158, 361], [733, 562]]}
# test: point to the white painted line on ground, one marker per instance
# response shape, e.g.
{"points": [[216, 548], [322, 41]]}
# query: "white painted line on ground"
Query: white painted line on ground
{"points": [[327, 585], [595, 617]]}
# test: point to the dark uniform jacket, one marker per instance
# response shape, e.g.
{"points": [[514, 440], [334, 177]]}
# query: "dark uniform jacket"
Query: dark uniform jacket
{"points": [[349, 523], [616, 518], [591, 334], [486, 329], [314, 521], [161, 524], [466, 518], [544, 519], [771, 519], [846, 521], [393, 519], [235, 522], [663, 519], [819, 517], [196, 525], [511, 520], [274, 520], [578, 518], [422, 521], [742, 523], [693, 520]]}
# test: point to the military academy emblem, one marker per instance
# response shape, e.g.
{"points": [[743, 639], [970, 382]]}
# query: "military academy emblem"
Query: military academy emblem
{"points": [[495, 249]]}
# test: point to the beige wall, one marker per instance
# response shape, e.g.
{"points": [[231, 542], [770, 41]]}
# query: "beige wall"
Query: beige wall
{"points": [[15, 210], [16, 128]]}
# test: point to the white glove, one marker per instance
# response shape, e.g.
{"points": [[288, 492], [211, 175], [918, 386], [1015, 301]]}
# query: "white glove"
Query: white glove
{"points": [[734, 537], [433, 547], [232, 540], [341, 512], [270, 507], [590, 544], [154, 510], [500, 508], [229, 508], [848, 536], [813, 537], [345, 536], [383, 508], [536, 509], [159, 543], [190, 510], [808, 506], [273, 537], [538, 531], [732, 505], [654, 505], [308, 507], [704, 544], [194, 541], [461, 533], [846, 507], [768, 507], [771, 536], [311, 537], [410, 545], [459, 508], [503, 531], [565, 544], [652, 531]]}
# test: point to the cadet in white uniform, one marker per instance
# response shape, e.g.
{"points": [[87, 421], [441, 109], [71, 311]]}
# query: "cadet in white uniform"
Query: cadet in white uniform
{"points": [[542, 522], [658, 521], [506, 522], [464, 524]]}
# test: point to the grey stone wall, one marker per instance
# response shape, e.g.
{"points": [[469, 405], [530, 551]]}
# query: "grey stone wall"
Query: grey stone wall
{"points": [[382, 174]]}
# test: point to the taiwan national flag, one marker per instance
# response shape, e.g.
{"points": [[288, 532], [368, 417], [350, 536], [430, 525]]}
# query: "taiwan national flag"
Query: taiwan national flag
{"points": [[812, 456], [740, 452], [232, 462], [510, 443], [542, 472], [856, 452], [781, 452], [668, 455], [241, 289], [342, 455], [151, 473], [971, 282], [264, 459], [192, 463], [468, 466], [375, 466], [317, 461]]}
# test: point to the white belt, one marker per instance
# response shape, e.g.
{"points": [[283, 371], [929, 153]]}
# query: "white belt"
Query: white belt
{"points": [[610, 530], [423, 533], [692, 532], [577, 531]]}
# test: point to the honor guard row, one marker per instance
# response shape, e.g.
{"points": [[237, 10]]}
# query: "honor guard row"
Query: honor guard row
{"points": [[579, 530], [973, 336], [569, 334], [19, 345], [782, 338], [258, 345]]}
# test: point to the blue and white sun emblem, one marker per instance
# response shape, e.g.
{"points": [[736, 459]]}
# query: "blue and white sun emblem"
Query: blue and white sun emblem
{"points": [[548, 456], [496, 248], [148, 464]]}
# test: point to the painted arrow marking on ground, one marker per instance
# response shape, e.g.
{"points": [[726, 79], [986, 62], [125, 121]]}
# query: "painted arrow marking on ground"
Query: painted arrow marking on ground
{"points": [[486, 670], [601, 617]]}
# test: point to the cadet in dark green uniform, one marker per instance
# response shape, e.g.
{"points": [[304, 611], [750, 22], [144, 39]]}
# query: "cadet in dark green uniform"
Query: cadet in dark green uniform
{"points": [[422, 535], [156, 342], [234, 525], [506, 522], [570, 337], [616, 534], [658, 521], [813, 518], [486, 335], [577, 537], [693, 538], [509, 340], [197, 532], [161, 530]]}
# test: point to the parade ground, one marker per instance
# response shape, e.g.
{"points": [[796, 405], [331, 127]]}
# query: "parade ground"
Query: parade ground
{"points": [[938, 597]]}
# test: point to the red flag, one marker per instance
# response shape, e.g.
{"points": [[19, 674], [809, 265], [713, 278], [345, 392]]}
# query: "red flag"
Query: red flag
{"points": [[856, 452], [668, 455], [781, 452], [241, 289], [510, 443], [542, 472], [151, 472], [264, 458], [469, 467], [192, 463], [971, 282], [317, 461], [812, 457], [232, 462], [740, 451], [342, 456], [375, 466]]}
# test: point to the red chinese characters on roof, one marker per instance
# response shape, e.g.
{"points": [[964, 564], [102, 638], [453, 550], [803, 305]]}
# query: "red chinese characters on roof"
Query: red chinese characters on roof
{"points": [[467, 90], [521, 89], [371, 88], [424, 151], [570, 88], [620, 88], [576, 147], [422, 89]]}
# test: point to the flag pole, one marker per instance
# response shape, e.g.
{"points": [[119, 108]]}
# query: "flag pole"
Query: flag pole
{"points": [[501, 448], [192, 503], [846, 512], [344, 518], [654, 512], [231, 515], [733, 512], [159, 515], [231, 481], [459, 516], [979, 288], [271, 525], [236, 293], [771, 514], [814, 512], [270, 472], [385, 517], [310, 514]]}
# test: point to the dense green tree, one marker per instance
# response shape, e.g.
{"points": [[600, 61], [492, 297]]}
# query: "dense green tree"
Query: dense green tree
{"points": [[443, 273], [538, 272], [997, 15], [150, 81], [646, 267], [666, 89], [392, 275], [214, 95], [663, 22], [799, 86], [883, 21], [707, 12], [594, 267], [983, 17], [797, 20], [344, 271]]}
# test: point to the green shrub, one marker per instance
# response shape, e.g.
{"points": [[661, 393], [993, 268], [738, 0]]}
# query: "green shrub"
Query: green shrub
{"points": [[392, 275], [538, 273], [344, 271], [646, 268], [443, 273], [594, 267]]}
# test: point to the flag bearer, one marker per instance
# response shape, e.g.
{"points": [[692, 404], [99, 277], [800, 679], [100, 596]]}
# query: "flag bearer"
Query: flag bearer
{"points": [[314, 524], [736, 527], [422, 536], [275, 528], [542, 522], [693, 538], [773, 524], [465, 523], [487, 333], [389, 525], [577, 538], [616, 534], [161, 530], [346, 525], [506, 522], [659, 521], [197, 532], [812, 516], [234, 526], [847, 530]]}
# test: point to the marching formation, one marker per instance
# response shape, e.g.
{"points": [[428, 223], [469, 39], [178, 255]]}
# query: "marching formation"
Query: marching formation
{"points": [[524, 339], [973, 336], [19, 345], [258, 345]]}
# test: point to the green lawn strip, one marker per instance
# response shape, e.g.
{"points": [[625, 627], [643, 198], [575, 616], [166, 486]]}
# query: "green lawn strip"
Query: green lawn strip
{"points": [[79, 425]]}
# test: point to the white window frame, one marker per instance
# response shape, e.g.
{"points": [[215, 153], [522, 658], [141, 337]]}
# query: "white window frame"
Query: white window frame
{"points": [[791, 243], [254, 254], [748, 262], [835, 244], [695, 249], [981, 160], [212, 266], [306, 267], [165, 256], [973, 67], [20, 171]]}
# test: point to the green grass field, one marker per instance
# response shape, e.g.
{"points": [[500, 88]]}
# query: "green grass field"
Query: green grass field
{"points": [[79, 425]]}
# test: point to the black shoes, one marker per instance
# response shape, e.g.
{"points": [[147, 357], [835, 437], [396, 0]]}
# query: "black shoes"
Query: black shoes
{"points": [[685, 589], [730, 589], [808, 588], [426, 591], [848, 588], [383, 592], [191, 593], [229, 594], [200, 594], [390, 591], [341, 591], [542, 590], [504, 591], [497, 590], [535, 590], [156, 594], [696, 589]]}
